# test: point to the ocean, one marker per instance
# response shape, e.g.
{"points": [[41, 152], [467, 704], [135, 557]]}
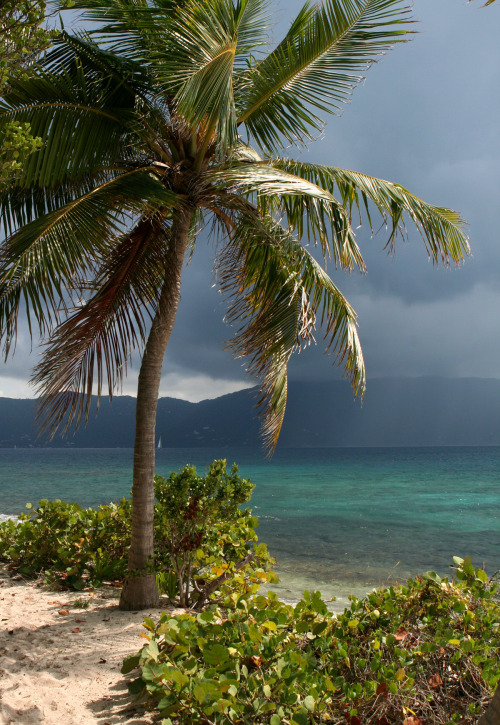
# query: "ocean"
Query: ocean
{"points": [[341, 520]]}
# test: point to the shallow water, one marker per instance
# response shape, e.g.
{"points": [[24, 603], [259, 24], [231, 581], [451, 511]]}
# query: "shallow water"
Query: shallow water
{"points": [[342, 520]]}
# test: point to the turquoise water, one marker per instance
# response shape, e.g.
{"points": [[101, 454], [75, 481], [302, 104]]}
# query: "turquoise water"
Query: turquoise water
{"points": [[342, 520]]}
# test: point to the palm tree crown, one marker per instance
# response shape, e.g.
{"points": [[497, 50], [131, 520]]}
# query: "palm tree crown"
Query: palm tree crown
{"points": [[167, 118]]}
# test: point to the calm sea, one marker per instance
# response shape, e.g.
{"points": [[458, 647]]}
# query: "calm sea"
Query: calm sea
{"points": [[342, 520]]}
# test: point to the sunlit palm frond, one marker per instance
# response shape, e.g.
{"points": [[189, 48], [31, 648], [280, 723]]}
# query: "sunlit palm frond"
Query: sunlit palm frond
{"points": [[196, 67], [251, 21], [309, 208], [441, 229], [243, 152], [278, 295], [94, 343], [316, 67]]}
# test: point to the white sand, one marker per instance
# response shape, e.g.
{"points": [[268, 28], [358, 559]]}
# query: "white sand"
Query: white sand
{"points": [[52, 674]]}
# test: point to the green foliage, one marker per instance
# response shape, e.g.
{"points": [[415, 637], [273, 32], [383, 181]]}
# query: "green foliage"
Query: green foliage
{"points": [[24, 35], [21, 35], [429, 649], [205, 545], [203, 536], [81, 603], [72, 545], [21, 38], [17, 144]]}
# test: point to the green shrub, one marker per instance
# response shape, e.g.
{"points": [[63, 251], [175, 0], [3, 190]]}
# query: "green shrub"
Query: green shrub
{"points": [[202, 536], [205, 545], [73, 546], [429, 650]]}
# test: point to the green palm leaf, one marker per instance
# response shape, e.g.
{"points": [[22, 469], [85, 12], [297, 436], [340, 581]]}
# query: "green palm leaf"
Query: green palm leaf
{"points": [[66, 109], [316, 67], [95, 341], [278, 294], [196, 68], [309, 208], [44, 263], [127, 27], [441, 229]]}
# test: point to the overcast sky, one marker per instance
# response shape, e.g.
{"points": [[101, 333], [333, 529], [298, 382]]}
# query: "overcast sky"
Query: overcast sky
{"points": [[427, 116]]}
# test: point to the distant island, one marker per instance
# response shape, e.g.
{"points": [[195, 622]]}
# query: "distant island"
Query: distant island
{"points": [[396, 412]]}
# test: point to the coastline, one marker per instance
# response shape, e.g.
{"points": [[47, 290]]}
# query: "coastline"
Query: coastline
{"points": [[60, 663]]}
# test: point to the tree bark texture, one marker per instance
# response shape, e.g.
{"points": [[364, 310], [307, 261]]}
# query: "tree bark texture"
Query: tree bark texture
{"points": [[140, 590], [492, 714]]}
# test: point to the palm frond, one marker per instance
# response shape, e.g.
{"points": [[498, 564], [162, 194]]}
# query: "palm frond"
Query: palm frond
{"points": [[316, 67], [97, 339], [251, 24], [65, 109], [80, 47], [278, 295], [128, 27], [44, 263], [243, 152], [196, 68], [441, 229], [310, 209]]}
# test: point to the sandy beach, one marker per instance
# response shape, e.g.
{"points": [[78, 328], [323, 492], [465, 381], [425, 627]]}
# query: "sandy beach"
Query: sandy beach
{"points": [[60, 663]]}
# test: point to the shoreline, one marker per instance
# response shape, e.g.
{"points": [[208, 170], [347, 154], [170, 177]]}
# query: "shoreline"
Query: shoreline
{"points": [[60, 662]]}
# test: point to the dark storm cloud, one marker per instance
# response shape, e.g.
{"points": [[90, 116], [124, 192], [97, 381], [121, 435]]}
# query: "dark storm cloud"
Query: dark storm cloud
{"points": [[426, 117]]}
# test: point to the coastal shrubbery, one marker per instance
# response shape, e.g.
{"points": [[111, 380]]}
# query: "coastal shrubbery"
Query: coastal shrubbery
{"points": [[204, 539], [205, 544], [426, 652], [71, 546], [423, 653]]}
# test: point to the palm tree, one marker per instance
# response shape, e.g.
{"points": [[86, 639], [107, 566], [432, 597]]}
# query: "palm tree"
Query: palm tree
{"points": [[167, 118]]}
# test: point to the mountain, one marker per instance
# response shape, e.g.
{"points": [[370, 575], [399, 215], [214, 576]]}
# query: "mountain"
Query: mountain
{"points": [[405, 412]]}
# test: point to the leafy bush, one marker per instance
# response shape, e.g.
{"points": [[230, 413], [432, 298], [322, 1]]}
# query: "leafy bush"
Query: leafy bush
{"points": [[202, 539], [72, 545], [202, 535], [428, 651]]}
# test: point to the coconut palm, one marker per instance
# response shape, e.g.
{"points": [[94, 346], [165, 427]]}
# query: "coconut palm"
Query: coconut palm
{"points": [[168, 118]]}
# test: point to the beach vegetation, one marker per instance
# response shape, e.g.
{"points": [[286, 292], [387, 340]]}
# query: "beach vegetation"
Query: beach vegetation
{"points": [[71, 546], [205, 542], [24, 35], [81, 603], [206, 545], [427, 651], [164, 119]]}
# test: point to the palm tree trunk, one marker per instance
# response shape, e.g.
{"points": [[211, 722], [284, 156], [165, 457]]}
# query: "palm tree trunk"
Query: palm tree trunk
{"points": [[140, 590], [492, 714]]}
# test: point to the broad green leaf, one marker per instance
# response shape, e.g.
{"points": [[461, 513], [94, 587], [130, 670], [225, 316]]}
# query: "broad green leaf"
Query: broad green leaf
{"points": [[310, 703]]}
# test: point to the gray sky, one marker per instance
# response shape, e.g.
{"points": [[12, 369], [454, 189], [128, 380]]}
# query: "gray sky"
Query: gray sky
{"points": [[426, 117]]}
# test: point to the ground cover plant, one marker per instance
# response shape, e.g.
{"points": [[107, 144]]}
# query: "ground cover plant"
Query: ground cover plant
{"points": [[206, 545], [427, 651]]}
